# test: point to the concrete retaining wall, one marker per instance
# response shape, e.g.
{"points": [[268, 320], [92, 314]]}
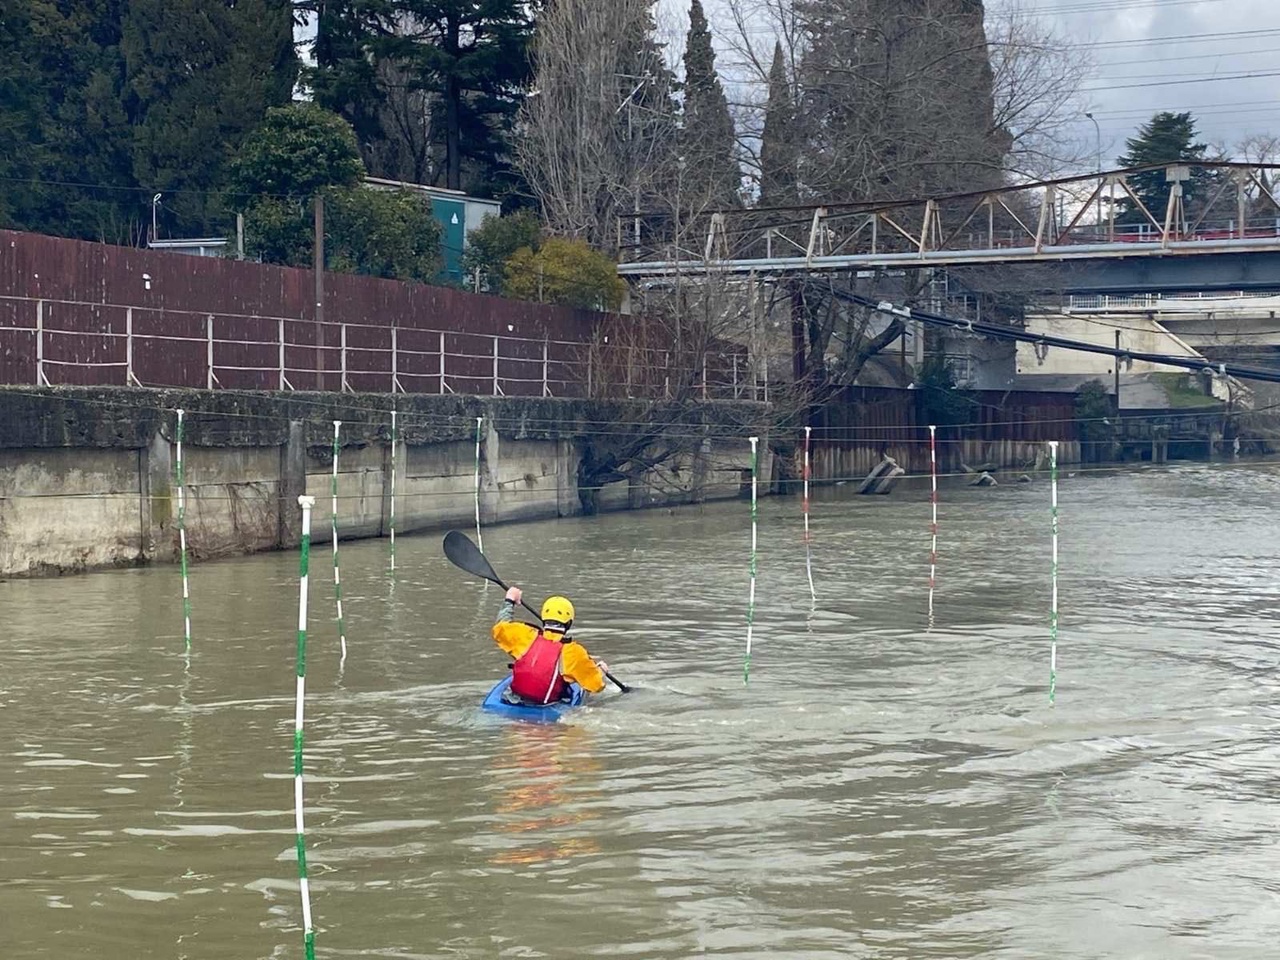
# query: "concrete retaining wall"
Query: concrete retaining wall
{"points": [[87, 475]]}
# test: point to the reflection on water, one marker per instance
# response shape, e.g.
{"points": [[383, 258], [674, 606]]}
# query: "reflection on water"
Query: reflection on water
{"points": [[885, 787], [541, 778]]}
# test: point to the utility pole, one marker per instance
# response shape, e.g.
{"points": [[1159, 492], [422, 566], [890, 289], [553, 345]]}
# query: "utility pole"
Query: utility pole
{"points": [[319, 272], [1117, 366], [1098, 163]]}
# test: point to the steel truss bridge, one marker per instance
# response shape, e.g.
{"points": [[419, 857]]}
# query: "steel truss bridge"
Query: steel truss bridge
{"points": [[1226, 236]]}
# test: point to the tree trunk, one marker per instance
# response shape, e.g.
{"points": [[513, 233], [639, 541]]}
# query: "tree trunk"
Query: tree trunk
{"points": [[452, 119]]}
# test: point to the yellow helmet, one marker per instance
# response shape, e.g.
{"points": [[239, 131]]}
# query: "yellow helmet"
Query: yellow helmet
{"points": [[557, 612]]}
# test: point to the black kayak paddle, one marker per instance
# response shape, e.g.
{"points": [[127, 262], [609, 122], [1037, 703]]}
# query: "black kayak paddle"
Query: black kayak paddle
{"points": [[465, 555]]}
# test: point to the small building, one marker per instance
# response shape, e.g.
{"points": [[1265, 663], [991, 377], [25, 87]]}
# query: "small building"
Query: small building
{"points": [[457, 213], [197, 247]]}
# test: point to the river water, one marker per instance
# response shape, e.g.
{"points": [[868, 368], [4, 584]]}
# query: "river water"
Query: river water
{"points": [[879, 789]]}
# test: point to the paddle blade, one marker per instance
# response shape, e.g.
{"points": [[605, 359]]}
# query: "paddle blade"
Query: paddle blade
{"points": [[462, 553]]}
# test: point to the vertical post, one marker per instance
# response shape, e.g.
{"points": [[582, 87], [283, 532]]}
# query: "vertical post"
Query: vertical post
{"points": [[342, 360], [333, 516], [318, 268], [129, 378], [394, 444], [546, 386], [280, 334], [479, 540], [1053, 573], [182, 533], [1117, 369], [933, 525], [496, 389], [239, 236], [304, 887], [210, 379], [808, 553], [591, 354], [40, 379], [735, 377], [751, 595], [395, 361], [442, 383]]}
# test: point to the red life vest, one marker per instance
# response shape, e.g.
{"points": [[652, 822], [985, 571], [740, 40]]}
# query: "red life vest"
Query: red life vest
{"points": [[535, 677]]}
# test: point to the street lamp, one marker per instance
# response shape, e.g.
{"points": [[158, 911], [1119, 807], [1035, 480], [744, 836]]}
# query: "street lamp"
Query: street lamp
{"points": [[1098, 163], [155, 201]]}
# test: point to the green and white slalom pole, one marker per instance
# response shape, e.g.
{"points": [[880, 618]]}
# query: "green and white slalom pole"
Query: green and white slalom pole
{"points": [[808, 552], [393, 491], [751, 595], [479, 539], [1053, 573], [304, 886], [333, 516], [182, 535], [933, 525]]}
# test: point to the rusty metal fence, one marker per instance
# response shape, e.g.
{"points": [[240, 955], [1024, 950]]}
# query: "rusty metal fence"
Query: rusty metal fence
{"points": [[74, 313]]}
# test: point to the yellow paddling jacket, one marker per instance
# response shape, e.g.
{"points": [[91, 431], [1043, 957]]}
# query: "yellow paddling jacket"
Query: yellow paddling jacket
{"points": [[576, 665]]}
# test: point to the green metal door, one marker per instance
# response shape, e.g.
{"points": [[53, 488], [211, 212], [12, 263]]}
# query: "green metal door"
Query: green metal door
{"points": [[452, 216]]}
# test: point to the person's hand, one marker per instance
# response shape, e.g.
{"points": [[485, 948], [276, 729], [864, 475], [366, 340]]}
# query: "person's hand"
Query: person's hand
{"points": [[514, 594], [604, 667]]}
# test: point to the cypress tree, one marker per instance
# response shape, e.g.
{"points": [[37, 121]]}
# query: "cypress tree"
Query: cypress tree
{"points": [[200, 75], [708, 140], [779, 149]]}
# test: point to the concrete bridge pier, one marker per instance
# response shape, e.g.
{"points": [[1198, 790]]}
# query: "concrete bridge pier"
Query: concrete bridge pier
{"points": [[1160, 445]]}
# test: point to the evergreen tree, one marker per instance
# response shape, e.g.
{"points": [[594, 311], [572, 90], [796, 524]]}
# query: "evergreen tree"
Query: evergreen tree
{"points": [[708, 143], [78, 158], [897, 98], [431, 87], [200, 74], [779, 150], [473, 55], [345, 78], [302, 151], [1166, 138], [109, 101]]}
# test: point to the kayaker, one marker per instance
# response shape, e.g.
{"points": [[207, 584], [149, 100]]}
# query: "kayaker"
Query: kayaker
{"points": [[547, 660]]}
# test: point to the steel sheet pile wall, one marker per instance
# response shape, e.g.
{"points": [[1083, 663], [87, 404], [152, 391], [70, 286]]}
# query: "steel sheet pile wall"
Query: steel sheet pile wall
{"points": [[1007, 428]]}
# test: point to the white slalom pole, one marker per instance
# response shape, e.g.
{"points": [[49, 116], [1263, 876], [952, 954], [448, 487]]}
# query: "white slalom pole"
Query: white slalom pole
{"points": [[808, 552], [333, 516], [751, 596], [1053, 603], [182, 537], [393, 491], [933, 526], [304, 887], [479, 539]]}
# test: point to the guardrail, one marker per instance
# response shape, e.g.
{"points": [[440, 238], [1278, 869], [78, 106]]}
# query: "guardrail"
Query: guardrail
{"points": [[51, 342]]}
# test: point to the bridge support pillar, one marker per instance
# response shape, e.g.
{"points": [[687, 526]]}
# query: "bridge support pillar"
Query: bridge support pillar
{"points": [[1160, 445]]}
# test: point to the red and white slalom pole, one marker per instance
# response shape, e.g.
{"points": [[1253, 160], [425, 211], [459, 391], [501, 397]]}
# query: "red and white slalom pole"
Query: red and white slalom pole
{"points": [[933, 525], [808, 551]]}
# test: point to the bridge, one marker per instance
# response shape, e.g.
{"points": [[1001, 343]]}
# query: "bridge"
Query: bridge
{"points": [[1228, 239]]}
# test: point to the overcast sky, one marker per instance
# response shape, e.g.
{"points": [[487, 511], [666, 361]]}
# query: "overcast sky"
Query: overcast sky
{"points": [[1134, 77]]}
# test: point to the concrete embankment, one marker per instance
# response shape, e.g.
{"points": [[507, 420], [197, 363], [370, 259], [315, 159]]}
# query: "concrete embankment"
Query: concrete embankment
{"points": [[87, 475]]}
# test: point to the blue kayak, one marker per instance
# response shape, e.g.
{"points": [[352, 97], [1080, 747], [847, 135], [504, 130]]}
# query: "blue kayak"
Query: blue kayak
{"points": [[496, 702]]}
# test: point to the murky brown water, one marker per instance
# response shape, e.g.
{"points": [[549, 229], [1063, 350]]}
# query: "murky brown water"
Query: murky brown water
{"points": [[877, 791]]}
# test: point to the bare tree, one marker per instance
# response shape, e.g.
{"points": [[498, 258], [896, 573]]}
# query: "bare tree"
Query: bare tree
{"points": [[598, 134]]}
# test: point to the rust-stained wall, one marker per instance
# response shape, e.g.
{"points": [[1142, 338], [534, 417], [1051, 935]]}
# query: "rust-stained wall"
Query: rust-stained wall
{"points": [[862, 424], [89, 297]]}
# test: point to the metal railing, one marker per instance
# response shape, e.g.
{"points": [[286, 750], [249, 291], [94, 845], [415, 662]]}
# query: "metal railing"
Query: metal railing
{"points": [[92, 344]]}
